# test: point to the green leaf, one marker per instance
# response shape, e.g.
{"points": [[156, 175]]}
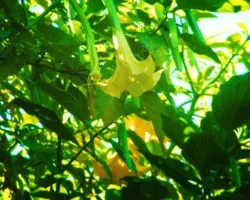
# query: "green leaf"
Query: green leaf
{"points": [[207, 72], [113, 194], [145, 188], [226, 139], [104, 165], [138, 141], [203, 151], [179, 171], [121, 154], [63, 43], [95, 6], [155, 44], [199, 47], [72, 99], [174, 129], [211, 5], [143, 16], [123, 142], [13, 10], [154, 108], [109, 108], [231, 106], [46, 181], [10, 66], [48, 118], [77, 173]]}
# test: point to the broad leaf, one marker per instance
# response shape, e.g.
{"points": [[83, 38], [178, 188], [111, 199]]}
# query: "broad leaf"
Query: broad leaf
{"points": [[144, 188], [203, 151], [108, 108], [179, 171], [174, 128], [154, 108], [231, 106], [72, 99], [64, 42], [156, 47], [226, 139]]}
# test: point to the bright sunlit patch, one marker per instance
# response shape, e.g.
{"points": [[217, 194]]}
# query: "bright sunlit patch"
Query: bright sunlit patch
{"points": [[167, 144], [182, 100], [17, 150], [115, 42], [212, 27], [37, 9], [147, 136], [55, 25], [132, 127], [6, 194]]}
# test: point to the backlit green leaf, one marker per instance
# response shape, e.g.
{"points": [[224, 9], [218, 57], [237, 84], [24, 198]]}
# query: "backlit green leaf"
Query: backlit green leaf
{"points": [[199, 47]]}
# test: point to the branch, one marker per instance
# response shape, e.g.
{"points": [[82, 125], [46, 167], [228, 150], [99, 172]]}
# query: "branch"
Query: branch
{"points": [[225, 66], [84, 147]]}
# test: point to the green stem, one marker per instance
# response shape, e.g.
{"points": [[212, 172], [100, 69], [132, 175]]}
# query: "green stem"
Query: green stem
{"points": [[235, 171], [59, 160], [224, 68], [194, 26], [113, 14], [95, 70], [174, 50], [189, 77]]}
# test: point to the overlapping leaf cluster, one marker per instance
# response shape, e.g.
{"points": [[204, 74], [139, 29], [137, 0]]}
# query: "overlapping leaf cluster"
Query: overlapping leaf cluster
{"points": [[90, 97]]}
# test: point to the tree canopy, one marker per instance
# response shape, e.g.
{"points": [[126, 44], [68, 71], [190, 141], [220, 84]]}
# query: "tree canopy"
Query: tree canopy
{"points": [[124, 99]]}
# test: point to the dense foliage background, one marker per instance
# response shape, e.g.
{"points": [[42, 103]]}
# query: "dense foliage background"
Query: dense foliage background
{"points": [[124, 99]]}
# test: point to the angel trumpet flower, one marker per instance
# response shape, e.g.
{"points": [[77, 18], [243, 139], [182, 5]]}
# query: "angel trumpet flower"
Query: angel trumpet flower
{"points": [[131, 74]]}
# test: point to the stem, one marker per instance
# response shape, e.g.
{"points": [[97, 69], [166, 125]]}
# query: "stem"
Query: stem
{"points": [[84, 147], [220, 73], [94, 62], [225, 67], [194, 26], [113, 14], [188, 75], [59, 160], [235, 171]]}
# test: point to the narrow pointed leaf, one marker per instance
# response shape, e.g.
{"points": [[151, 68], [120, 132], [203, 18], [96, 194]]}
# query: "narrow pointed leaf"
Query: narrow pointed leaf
{"points": [[199, 47]]}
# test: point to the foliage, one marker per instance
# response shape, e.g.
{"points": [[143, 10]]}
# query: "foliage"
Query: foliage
{"points": [[123, 100]]}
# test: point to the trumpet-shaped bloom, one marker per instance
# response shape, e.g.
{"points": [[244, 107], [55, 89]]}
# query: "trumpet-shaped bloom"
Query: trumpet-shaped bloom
{"points": [[130, 75]]}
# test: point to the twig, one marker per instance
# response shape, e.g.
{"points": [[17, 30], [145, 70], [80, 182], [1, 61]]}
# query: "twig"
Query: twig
{"points": [[225, 67], [59, 160], [84, 147]]}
